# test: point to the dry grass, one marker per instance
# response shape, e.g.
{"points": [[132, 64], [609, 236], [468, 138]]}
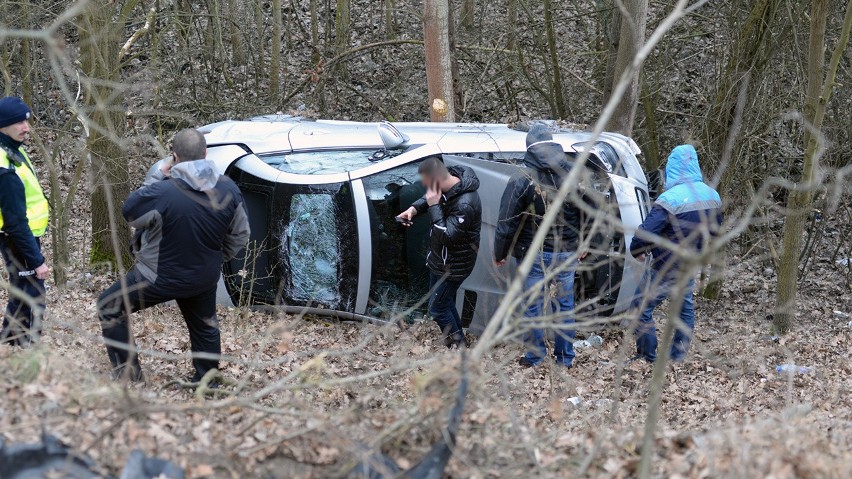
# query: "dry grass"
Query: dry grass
{"points": [[311, 392]]}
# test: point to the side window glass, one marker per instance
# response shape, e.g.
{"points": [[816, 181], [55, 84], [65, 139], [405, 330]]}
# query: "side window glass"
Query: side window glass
{"points": [[399, 275], [313, 248]]}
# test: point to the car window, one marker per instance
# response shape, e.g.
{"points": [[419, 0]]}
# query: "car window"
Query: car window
{"points": [[399, 276], [313, 248], [320, 162]]}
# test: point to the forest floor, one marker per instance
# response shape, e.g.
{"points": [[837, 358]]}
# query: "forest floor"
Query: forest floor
{"points": [[312, 392]]}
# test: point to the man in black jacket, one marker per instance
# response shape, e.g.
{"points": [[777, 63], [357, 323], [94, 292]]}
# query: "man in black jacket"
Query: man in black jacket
{"points": [[522, 208], [455, 209], [187, 224], [24, 217]]}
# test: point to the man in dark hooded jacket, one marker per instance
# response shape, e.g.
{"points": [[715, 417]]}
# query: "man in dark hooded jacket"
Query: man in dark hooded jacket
{"points": [[522, 208], [687, 215], [454, 206], [188, 221]]}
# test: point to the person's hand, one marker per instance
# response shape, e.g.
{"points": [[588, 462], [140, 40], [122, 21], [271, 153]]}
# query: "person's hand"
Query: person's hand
{"points": [[584, 255], [433, 194], [640, 258], [42, 272], [500, 263], [407, 216], [166, 168]]}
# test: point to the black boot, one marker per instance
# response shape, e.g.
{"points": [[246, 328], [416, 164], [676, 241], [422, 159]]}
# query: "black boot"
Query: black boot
{"points": [[125, 365]]}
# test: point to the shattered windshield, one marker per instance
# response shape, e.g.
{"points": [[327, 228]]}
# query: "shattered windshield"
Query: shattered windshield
{"points": [[321, 162]]}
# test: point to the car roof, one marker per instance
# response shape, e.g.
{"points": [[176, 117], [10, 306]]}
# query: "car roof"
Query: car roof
{"points": [[281, 133]]}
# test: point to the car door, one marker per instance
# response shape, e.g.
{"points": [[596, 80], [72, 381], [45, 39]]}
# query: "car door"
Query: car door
{"points": [[481, 293], [393, 280], [303, 229]]}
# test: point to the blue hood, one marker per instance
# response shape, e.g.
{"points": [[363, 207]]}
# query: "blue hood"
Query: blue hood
{"points": [[685, 188], [682, 167]]}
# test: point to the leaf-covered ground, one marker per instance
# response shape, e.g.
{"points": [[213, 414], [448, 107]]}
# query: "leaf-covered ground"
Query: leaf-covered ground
{"points": [[311, 393]]}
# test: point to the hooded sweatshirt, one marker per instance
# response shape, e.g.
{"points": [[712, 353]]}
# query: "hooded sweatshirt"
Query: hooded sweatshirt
{"points": [[456, 224], [525, 200], [186, 225], [688, 213]]}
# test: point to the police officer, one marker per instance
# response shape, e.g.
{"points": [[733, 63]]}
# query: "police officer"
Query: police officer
{"points": [[23, 220]]}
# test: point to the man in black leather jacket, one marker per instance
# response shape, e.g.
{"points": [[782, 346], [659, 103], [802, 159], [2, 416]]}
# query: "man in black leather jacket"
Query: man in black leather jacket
{"points": [[522, 208], [454, 206]]}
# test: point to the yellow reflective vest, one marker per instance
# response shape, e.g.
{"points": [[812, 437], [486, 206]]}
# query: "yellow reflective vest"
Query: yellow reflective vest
{"points": [[38, 211]]}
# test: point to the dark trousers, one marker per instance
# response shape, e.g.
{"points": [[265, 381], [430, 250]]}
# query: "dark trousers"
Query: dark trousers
{"points": [[22, 321], [198, 310], [442, 308]]}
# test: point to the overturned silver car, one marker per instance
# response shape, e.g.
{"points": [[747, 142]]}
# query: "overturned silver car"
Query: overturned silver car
{"points": [[322, 198]]}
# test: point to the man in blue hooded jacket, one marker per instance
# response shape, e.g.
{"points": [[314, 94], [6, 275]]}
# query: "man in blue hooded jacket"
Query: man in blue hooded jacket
{"points": [[683, 219]]}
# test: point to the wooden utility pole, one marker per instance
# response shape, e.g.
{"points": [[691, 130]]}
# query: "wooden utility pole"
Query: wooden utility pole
{"points": [[439, 60]]}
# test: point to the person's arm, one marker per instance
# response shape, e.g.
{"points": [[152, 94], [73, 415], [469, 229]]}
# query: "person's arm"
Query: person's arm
{"points": [[515, 201], [451, 229], [654, 224], [238, 231], [420, 206], [16, 225], [140, 208]]}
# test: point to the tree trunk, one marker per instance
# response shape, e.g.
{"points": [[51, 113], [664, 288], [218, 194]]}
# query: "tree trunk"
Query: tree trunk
{"points": [[649, 105], [275, 55], [819, 89], [749, 53], [613, 32], [342, 23], [100, 39], [439, 70], [468, 9], [237, 54], [27, 56], [555, 71], [390, 27], [260, 58], [631, 38], [315, 39]]}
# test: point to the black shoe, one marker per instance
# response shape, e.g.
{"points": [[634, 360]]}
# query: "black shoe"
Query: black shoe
{"points": [[455, 341], [132, 373], [526, 363]]}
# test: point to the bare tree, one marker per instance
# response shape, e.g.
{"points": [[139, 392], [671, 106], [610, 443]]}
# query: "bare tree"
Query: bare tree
{"points": [[439, 63], [634, 18], [819, 89], [100, 40], [237, 49], [275, 55], [467, 16], [343, 21], [553, 55]]}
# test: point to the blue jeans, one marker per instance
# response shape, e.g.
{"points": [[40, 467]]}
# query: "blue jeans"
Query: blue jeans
{"points": [[654, 288], [563, 349], [442, 308]]}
